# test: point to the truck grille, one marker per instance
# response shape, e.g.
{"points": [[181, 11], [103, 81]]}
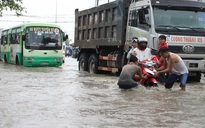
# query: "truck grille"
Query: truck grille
{"points": [[179, 49]]}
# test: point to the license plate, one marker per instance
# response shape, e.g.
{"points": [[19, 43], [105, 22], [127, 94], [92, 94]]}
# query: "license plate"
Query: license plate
{"points": [[44, 63]]}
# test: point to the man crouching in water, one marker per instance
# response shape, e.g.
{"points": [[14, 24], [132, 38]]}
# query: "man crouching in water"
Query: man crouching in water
{"points": [[175, 65], [126, 79]]}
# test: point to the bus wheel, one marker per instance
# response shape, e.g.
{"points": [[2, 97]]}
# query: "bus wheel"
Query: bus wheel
{"points": [[83, 62], [17, 61], [5, 60], [93, 63]]}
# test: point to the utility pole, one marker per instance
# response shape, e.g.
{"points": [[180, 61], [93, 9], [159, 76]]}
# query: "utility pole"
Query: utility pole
{"points": [[97, 2], [56, 12]]}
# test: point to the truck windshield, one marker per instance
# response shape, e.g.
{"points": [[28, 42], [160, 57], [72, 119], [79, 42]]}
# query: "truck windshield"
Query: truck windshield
{"points": [[179, 20], [43, 38]]}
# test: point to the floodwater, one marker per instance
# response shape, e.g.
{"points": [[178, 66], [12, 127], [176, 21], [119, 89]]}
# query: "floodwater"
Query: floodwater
{"points": [[63, 97]]}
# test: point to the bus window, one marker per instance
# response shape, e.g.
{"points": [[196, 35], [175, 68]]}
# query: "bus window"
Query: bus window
{"points": [[16, 39], [4, 40], [41, 38]]}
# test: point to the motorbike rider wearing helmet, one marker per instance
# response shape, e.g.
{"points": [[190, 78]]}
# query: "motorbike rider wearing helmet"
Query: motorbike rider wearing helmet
{"points": [[142, 51], [134, 45]]}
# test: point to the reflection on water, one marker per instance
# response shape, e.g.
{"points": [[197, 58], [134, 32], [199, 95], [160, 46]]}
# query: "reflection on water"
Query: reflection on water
{"points": [[63, 97]]}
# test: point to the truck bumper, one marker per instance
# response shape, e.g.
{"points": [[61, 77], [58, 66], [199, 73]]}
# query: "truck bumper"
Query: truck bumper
{"points": [[195, 65]]}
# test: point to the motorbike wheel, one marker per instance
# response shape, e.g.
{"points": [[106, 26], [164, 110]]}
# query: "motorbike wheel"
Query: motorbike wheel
{"points": [[153, 85]]}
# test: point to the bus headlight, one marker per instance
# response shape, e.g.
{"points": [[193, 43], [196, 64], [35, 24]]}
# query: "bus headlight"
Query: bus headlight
{"points": [[28, 58], [59, 58]]}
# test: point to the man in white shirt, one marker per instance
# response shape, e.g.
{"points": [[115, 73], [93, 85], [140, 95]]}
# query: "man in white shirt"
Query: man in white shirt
{"points": [[142, 51]]}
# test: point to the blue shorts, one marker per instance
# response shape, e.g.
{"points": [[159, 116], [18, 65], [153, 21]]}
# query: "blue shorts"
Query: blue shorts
{"points": [[128, 86], [173, 78]]}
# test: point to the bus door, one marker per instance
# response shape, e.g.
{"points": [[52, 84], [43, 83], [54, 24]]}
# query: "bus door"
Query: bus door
{"points": [[5, 46], [15, 47]]}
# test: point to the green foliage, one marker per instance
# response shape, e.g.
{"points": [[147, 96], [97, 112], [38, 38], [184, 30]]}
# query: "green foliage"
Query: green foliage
{"points": [[12, 5]]}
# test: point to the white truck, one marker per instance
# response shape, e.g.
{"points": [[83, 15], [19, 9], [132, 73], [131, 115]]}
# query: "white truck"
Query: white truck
{"points": [[102, 32]]}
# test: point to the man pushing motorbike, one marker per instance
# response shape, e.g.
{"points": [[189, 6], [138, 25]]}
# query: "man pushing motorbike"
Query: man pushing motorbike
{"points": [[177, 68], [127, 76]]}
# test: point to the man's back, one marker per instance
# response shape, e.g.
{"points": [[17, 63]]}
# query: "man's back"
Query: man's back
{"points": [[127, 75]]}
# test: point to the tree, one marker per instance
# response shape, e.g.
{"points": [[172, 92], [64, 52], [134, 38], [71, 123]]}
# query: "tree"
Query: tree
{"points": [[13, 5]]}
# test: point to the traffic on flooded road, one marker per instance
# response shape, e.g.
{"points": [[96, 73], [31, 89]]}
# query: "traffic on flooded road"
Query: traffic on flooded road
{"points": [[63, 97]]}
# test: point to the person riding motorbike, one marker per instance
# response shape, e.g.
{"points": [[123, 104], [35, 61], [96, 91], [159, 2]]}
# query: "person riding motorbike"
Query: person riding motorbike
{"points": [[142, 51]]}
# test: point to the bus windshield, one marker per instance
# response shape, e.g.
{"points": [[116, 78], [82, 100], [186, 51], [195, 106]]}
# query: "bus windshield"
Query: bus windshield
{"points": [[179, 19], [43, 38]]}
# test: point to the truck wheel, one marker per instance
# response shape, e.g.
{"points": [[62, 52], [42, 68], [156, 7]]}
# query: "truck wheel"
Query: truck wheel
{"points": [[198, 77], [83, 62], [93, 63], [195, 78]]}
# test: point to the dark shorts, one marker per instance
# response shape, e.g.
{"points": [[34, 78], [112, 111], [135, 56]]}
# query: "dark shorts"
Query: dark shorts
{"points": [[173, 77], [128, 86]]}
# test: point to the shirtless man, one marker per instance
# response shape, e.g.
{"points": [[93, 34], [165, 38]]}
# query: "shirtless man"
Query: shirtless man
{"points": [[175, 65]]}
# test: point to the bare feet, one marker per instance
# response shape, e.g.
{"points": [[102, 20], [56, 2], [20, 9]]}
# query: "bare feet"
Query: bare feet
{"points": [[183, 89]]}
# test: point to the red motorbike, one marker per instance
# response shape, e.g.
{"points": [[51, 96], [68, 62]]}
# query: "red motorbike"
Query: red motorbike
{"points": [[148, 69]]}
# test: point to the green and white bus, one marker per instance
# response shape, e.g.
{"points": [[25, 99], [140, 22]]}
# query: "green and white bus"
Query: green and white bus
{"points": [[33, 44]]}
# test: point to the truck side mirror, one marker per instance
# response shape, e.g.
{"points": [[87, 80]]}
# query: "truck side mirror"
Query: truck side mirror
{"points": [[144, 22], [154, 51]]}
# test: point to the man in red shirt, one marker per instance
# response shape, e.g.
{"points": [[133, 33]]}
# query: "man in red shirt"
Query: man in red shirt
{"points": [[162, 43]]}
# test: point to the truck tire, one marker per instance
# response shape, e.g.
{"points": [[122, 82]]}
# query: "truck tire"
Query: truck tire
{"points": [[93, 64], [83, 62], [196, 78]]}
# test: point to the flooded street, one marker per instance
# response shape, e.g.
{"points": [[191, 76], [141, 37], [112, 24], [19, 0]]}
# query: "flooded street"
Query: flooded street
{"points": [[63, 97]]}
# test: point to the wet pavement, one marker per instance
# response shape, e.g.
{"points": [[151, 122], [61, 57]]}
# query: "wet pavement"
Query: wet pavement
{"points": [[63, 97]]}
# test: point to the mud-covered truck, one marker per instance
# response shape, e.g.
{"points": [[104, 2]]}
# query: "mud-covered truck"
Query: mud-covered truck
{"points": [[103, 32]]}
